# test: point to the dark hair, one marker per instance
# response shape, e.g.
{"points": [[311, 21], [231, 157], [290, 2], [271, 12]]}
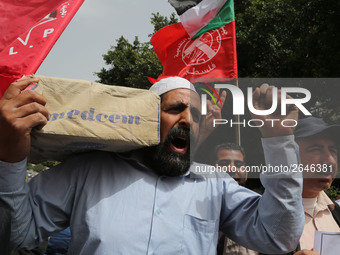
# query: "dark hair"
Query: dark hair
{"points": [[227, 146]]}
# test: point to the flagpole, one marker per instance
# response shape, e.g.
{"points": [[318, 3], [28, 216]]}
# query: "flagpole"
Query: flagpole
{"points": [[238, 128]]}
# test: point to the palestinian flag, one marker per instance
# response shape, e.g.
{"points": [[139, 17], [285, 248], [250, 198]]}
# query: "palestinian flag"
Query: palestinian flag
{"points": [[208, 57], [200, 16]]}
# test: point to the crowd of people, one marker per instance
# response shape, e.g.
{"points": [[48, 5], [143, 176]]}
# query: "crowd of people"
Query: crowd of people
{"points": [[152, 200]]}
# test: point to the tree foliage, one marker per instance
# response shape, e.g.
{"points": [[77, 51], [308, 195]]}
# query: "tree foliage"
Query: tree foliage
{"points": [[158, 21], [287, 38], [333, 192], [130, 64]]}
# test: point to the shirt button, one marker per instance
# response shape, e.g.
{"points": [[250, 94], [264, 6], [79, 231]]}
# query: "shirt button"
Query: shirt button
{"points": [[158, 211]]}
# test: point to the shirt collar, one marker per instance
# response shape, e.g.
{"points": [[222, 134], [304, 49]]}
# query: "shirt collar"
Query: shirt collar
{"points": [[324, 201]]}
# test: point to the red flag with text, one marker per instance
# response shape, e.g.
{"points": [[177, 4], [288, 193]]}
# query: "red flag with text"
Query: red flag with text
{"points": [[208, 58], [29, 31]]}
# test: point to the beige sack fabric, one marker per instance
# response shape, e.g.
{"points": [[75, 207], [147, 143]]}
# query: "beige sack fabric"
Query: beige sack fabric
{"points": [[91, 116]]}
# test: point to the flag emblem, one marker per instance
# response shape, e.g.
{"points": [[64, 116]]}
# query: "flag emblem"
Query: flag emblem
{"points": [[202, 49], [50, 17]]}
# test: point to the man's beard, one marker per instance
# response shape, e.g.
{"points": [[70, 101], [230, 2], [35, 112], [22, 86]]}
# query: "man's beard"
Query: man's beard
{"points": [[166, 162]]}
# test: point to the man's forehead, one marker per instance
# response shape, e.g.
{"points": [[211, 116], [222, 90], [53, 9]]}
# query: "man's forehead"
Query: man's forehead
{"points": [[320, 138], [226, 151], [181, 96]]}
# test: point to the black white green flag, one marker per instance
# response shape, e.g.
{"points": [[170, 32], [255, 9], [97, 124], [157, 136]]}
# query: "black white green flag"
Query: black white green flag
{"points": [[200, 16]]}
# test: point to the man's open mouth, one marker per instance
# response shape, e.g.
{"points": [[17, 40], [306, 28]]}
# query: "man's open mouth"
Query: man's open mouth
{"points": [[180, 144]]}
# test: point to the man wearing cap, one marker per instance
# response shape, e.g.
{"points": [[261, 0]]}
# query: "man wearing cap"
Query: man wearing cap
{"points": [[150, 201], [318, 148]]}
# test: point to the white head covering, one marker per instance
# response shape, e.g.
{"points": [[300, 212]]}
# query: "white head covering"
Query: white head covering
{"points": [[170, 83]]}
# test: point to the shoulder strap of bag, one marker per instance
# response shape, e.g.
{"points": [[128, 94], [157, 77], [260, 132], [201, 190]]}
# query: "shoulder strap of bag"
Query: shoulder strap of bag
{"points": [[336, 213]]}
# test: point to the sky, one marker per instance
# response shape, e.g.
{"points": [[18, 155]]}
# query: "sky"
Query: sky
{"points": [[94, 29]]}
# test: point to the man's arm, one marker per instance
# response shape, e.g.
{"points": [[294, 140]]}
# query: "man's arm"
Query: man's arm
{"points": [[41, 207], [283, 189], [20, 112], [274, 222], [283, 185]]}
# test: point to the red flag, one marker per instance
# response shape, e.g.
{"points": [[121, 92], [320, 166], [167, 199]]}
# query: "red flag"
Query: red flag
{"points": [[208, 58], [25, 54], [16, 17]]}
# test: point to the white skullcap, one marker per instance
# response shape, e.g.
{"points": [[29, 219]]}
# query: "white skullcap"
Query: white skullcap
{"points": [[170, 83]]}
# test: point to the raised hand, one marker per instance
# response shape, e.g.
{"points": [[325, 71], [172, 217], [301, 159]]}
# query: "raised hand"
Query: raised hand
{"points": [[20, 112], [262, 100], [214, 111]]}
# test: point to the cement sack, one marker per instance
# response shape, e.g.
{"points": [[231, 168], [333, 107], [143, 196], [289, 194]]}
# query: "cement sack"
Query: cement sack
{"points": [[91, 116]]}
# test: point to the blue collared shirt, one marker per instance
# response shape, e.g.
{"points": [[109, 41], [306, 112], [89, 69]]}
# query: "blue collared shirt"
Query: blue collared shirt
{"points": [[116, 205]]}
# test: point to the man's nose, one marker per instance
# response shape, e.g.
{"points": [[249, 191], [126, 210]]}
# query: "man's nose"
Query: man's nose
{"points": [[330, 159], [185, 118]]}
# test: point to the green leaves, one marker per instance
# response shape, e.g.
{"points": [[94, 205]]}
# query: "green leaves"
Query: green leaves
{"points": [[287, 38], [131, 63]]}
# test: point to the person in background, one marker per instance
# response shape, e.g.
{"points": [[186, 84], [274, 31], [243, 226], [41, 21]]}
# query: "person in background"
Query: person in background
{"points": [[231, 157], [318, 149]]}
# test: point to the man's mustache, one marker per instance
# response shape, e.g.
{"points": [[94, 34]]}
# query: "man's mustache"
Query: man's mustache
{"points": [[183, 132], [178, 131]]}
